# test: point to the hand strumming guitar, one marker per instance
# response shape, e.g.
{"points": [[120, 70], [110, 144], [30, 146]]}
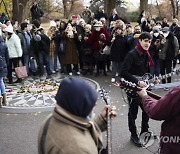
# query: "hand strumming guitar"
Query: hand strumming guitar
{"points": [[142, 93]]}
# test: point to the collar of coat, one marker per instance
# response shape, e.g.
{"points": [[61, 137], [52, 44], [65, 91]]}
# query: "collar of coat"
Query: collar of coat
{"points": [[79, 122]]}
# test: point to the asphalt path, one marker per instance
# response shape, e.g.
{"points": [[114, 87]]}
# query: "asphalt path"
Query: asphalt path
{"points": [[18, 132]]}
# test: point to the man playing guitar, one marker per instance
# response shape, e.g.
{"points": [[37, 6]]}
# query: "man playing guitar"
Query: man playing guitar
{"points": [[137, 63]]}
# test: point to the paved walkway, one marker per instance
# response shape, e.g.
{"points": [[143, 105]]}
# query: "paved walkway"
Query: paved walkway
{"points": [[18, 133]]}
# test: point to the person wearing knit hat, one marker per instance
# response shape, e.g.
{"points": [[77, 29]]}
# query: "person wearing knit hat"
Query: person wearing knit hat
{"points": [[70, 128], [15, 51]]}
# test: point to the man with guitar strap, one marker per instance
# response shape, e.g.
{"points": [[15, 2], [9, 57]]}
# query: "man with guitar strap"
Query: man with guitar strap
{"points": [[167, 108], [137, 63]]}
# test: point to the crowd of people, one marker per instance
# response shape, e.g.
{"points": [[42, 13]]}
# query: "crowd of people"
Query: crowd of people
{"points": [[79, 47]]}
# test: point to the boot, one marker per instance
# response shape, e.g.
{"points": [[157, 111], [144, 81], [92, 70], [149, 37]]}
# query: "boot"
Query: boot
{"points": [[1, 98], [4, 100]]}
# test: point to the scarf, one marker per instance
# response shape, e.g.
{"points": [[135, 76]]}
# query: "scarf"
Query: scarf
{"points": [[150, 60]]}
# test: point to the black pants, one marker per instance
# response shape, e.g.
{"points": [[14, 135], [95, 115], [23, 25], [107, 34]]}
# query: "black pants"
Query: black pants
{"points": [[132, 115], [14, 62], [165, 68], [69, 68]]}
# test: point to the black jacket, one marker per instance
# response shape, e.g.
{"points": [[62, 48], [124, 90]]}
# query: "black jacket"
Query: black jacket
{"points": [[119, 49], [135, 63]]}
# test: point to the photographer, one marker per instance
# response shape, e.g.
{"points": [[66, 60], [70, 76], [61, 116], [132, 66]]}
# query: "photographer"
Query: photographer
{"points": [[156, 46]]}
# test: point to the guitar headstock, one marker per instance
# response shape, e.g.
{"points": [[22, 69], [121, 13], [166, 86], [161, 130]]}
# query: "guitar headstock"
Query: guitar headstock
{"points": [[104, 95], [128, 85]]}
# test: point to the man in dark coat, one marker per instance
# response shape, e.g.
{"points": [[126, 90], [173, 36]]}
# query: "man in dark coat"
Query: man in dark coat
{"points": [[137, 63]]}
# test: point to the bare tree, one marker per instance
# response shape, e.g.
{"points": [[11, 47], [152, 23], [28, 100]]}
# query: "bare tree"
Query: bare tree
{"points": [[159, 10], [109, 5], [175, 7]]}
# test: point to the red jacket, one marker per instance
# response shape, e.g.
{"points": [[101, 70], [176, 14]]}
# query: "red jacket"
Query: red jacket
{"points": [[94, 39], [167, 109]]}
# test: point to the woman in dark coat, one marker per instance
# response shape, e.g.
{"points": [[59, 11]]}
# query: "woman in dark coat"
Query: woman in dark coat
{"points": [[119, 50], [71, 53], [4, 58]]}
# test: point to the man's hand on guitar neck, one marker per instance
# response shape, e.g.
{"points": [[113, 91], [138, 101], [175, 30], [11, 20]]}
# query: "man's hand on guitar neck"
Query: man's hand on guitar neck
{"points": [[142, 84]]}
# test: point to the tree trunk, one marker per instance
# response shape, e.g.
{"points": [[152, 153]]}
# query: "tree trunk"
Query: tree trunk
{"points": [[158, 9], [173, 8], [109, 5], [21, 9], [15, 10], [143, 5]]}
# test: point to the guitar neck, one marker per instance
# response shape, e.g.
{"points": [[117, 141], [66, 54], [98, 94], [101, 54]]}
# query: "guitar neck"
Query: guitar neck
{"points": [[151, 94], [109, 134]]}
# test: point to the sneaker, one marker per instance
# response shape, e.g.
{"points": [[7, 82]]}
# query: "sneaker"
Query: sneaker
{"points": [[78, 73], [113, 79], [70, 73], [166, 89]]}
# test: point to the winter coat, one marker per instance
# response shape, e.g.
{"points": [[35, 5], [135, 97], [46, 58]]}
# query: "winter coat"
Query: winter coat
{"points": [[4, 58], [42, 45], [94, 39], [70, 134], [23, 40], [71, 54], [119, 49], [167, 109], [14, 46], [171, 48]]}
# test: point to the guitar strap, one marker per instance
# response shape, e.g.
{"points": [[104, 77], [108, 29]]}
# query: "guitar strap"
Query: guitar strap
{"points": [[43, 137]]}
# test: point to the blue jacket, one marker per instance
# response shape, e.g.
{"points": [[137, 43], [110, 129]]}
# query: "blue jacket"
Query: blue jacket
{"points": [[4, 58]]}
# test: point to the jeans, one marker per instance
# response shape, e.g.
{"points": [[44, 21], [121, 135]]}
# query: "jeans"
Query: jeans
{"points": [[60, 61], [156, 69], [116, 68], [43, 59], [32, 65], [2, 86]]}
